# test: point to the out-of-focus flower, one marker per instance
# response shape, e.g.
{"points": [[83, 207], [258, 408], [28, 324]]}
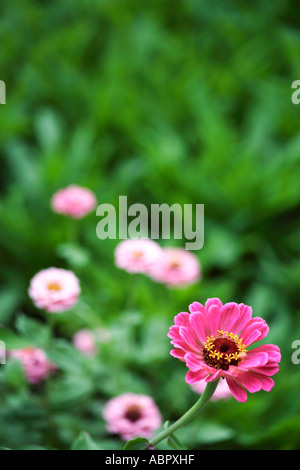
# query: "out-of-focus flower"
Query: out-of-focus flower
{"points": [[84, 341], [103, 335], [131, 415], [176, 267], [36, 365], [221, 393], [54, 289], [74, 201], [213, 341], [137, 255]]}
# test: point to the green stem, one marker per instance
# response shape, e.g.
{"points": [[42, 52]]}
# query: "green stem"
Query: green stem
{"points": [[52, 323], [87, 315], [189, 415], [72, 231]]}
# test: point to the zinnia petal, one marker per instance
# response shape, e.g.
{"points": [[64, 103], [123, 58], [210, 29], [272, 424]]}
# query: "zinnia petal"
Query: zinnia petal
{"points": [[229, 314], [193, 377], [243, 318], [187, 335], [196, 307], [199, 324], [237, 391], [182, 319], [255, 329]]}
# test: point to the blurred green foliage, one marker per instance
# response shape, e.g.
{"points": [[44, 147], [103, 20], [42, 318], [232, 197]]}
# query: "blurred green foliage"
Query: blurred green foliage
{"points": [[162, 101]]}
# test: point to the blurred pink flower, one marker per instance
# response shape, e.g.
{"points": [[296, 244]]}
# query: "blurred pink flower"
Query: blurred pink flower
{"points": [[84, 341], [212, 341], [222, 391], [74, 201], [36, 365], [176, 267], [54, 289], [131, 415], [137, 255]]}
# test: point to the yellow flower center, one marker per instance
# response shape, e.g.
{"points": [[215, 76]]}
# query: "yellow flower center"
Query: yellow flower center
{"points": [[225, 350], [174, 264], [53, 286]]}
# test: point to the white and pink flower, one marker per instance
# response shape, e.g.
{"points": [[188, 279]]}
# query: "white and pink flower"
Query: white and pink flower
{"points": [[137, 255], [176, 267], [131, 415], [36, 365], [74, 201], [84, 341]]}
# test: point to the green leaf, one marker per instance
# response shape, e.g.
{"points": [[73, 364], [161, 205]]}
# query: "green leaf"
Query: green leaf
{"points": [[14, 374], [48, 127], [12, 340], [75, 255], [139, 443], [65, 356], [69, 390], [32, 447], [9, 299], [35, 332], [84, 442], [214, 432], [174, 443]]}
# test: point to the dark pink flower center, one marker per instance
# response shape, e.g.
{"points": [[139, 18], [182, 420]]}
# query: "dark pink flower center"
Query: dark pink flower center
{"points": [[133, 413], [226, 346], [224, 351]]}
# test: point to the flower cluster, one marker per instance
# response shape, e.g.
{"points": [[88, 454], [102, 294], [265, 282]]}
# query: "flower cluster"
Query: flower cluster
{"points": [[57, 290], [213, 340]]}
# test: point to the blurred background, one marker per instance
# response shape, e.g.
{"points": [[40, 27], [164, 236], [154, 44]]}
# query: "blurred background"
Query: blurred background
{"points": [[165, 102]]}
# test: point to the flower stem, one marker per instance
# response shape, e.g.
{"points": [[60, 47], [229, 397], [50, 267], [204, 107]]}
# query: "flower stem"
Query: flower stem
{"points": [[189, 415]]}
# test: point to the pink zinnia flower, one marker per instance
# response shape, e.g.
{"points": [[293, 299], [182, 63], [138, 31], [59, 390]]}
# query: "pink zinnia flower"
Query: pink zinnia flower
{"points": [[137, 255], [213, 340], [54, 289], [222, 391], [84, 341], [74, 201], [176, 267], [131, 415], [36, 365]]}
